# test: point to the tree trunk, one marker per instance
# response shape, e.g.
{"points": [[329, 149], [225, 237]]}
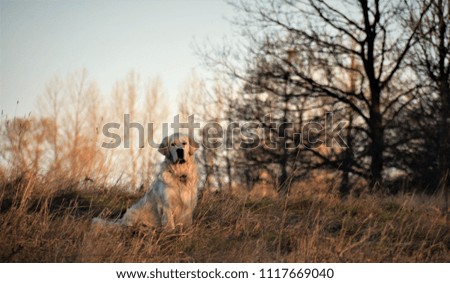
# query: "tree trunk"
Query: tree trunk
{"points": [[344, 188], [444, 132], [283, 186], [444, 91], [228, 165], [377, 144], [282, 181]]}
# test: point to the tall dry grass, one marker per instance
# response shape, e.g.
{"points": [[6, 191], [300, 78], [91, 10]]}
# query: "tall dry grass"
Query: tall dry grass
{"points": [[51, 222]]}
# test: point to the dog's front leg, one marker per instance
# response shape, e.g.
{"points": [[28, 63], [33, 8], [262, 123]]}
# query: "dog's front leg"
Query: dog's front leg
{"points": [[167, 219]]}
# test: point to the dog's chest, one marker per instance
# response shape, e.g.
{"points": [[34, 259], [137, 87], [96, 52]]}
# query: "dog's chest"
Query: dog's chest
{"points": [[181, 186], [183, 179], [186, 196]]}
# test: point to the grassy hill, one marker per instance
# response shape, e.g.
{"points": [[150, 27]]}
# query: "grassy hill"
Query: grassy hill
{"points": [[50, 221]]}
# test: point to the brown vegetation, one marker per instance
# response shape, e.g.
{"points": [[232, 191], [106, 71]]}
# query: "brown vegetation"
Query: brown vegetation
{"points": [[51, 222]]}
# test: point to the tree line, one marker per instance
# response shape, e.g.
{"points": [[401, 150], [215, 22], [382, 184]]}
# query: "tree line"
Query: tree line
{"points": [[381, 66], [62, 141]]}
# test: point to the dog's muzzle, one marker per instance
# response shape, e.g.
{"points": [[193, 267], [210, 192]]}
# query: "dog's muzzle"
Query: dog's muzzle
{"points": [[180, 155]]}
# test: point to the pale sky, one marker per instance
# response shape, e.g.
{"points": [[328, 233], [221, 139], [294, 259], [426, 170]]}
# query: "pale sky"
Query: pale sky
{"points": [[41, 39]]}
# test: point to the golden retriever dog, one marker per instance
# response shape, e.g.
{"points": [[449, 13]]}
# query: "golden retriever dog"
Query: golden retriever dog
{"points": [[171, 199]]}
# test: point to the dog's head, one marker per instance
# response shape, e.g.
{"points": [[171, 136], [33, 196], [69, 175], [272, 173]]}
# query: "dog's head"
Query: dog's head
{"points": [[178, 148]]}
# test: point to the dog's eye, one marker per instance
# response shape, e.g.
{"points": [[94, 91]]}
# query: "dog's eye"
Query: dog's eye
{"points": [[173, 144], [184, 143]]}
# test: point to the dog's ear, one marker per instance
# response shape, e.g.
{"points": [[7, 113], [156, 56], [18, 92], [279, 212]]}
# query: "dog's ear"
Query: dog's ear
{"points": [[164, 147], [193, 145]]}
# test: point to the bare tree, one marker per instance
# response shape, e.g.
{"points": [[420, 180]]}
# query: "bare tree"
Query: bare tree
{"points": [[211, 106], [195, 102], [153, 111], [134, 105], [431, 61], [327, 36], [131, 88], [50, 106], [24, 144]]}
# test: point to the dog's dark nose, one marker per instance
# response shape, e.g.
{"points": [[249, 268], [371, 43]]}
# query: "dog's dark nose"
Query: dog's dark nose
{"points": [[180, 153]]}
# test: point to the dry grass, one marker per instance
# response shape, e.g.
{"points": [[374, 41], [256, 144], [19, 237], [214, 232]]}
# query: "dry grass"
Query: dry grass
{"points": [[51, 222]]}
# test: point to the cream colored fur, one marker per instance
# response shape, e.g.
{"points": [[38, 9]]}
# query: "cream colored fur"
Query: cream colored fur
{"points": [[172, 198]]}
